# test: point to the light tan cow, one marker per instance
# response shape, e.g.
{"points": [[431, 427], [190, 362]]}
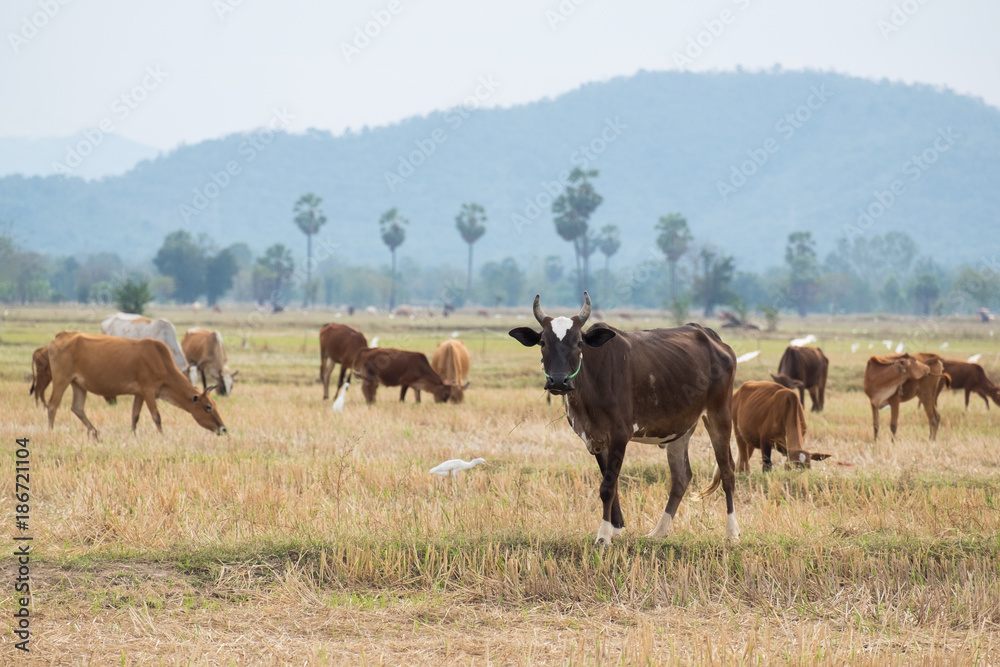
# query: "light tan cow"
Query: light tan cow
{"points": [[451, 362], [110, 366], [206, 355], [885, 378]]}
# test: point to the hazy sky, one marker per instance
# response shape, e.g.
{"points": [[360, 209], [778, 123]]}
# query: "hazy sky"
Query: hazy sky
{"points": [[196, 69]]}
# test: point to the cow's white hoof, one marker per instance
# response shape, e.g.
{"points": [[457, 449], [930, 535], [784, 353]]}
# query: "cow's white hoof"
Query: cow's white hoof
{"points": [[616, 532], [732, 529], [663, 526], [605, 533]]}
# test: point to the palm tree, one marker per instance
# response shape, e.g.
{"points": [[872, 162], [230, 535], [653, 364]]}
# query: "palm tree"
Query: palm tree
{"points": [[391, 226], [470, 225], [673, 241], [272, 269], [572, 211], [608, 242], [309, 217]]}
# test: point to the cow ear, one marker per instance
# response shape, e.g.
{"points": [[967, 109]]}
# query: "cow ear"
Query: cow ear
{"points": [[465, 386], [598, 336], [234, 374], [210, 388], [820, 457], [526, 336]]}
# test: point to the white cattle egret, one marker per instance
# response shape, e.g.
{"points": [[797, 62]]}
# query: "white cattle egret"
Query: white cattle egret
{"points": [[855, 346], [944, 345], [374, 342], [888, 344], [899, 348], [453, 466], [338, 405], [799, 342], [454, 334], [747, 357], [975, 358]]}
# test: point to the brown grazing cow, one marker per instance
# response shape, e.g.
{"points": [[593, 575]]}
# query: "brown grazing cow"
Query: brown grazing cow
{"points": [[971, 378], [926, 389], [639, 386], [204, 351], [895, 378], [451, 362], [338, 344], [767, 415], [109, 366], [804, 368], [398, 368], [41, 376]]}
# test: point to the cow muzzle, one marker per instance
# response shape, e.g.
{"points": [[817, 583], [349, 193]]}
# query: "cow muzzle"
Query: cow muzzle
{"points": [[558, 384], [221, 431]]}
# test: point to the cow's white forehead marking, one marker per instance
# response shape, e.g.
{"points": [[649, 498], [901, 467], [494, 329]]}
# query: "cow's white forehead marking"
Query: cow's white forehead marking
{"points": [[802, 457], [560, 325]]}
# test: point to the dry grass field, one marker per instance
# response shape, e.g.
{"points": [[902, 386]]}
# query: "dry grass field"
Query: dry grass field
{"points": [[309, 537]]}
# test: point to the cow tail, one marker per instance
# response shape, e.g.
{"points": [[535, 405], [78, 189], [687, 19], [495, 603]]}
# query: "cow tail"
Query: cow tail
{"points": [[716, 476], [34, 379], [711, 488]]}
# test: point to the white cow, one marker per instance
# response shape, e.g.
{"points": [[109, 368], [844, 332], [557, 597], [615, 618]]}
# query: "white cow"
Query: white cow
{"points": [[128, 325]]}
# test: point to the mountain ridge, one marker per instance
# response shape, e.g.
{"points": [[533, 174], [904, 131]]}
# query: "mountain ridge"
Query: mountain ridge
{"points": [[816, 152]]}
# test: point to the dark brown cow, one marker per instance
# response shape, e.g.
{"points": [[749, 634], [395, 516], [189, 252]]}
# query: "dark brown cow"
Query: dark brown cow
{"points": [[41, 376], [398, 368], [109, 366], [642, 386], [804, 368], [338, 344], [971, 378], [896, 378], [767, 415], [451, 362]]}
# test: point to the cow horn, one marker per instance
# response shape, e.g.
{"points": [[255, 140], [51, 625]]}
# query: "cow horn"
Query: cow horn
{"points": [[585, 311], [539, 313]]}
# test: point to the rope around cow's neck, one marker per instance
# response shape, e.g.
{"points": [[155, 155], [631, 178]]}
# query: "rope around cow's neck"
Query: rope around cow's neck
{"points": [[575, 373]]}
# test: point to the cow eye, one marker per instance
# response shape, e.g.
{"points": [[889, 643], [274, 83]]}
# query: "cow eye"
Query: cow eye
{"points": [[208, 408]]}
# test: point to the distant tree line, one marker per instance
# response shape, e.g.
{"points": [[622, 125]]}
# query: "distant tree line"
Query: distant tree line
{"points": [[866, 273]]}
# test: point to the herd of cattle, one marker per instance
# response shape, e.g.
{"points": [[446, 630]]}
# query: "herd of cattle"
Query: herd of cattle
{"points": [[652, 386], [137, 356], [618, 387]]}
